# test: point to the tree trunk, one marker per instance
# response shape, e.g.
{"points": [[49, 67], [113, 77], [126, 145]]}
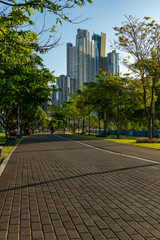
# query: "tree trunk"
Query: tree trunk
{"points": [[7, 133], [105, 125], [89, 124], [20, 121], [148, 113], [118, 121], [99, 124], [150, 128], [83, 126], [69, 125], [151, 121], [118, 130], [78, 125], [74, 125], [153, 117], [1, 125]]}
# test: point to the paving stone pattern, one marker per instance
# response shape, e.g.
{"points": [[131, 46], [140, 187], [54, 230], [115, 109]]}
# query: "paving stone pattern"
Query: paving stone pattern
{"points": [[55, 189]]}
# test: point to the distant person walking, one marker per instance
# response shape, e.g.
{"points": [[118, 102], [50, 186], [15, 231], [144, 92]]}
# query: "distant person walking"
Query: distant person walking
{"points": [[52, 129]]}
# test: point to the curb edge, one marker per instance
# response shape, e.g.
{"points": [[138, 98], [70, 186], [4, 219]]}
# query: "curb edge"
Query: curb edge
{"points": [[5, 161]]}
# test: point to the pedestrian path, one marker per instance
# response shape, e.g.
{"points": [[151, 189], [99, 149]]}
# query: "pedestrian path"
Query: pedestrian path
{"points": [[57, 189]]}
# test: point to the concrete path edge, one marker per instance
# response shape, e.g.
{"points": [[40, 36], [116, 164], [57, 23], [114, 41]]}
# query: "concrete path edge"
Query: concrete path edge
{"points": [[5, 161]]}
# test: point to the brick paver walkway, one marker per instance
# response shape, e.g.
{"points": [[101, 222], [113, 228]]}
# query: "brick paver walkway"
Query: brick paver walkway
{"points": [[58, 189]]}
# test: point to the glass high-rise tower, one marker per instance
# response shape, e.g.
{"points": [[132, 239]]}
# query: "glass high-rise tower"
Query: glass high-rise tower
{"points": [[113, 63], [80, 58], [100, 51]]}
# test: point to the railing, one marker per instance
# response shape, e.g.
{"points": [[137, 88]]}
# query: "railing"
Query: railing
{"points": [[125, 132]]}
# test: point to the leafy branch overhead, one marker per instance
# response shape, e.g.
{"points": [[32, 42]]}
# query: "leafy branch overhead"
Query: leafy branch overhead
{"points": [[18, 18], [23, 77]]}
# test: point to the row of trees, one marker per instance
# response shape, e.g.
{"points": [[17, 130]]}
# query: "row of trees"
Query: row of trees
{"points": [[23, 77], [111, 102], [125, 102]]}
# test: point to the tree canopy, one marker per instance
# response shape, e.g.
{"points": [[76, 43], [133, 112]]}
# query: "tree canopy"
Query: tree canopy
{"points": [[141, 39], [16, 21], [23, 78]]}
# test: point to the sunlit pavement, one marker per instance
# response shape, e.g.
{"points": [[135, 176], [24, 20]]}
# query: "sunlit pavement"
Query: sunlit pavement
{"points": [[65, 187]]}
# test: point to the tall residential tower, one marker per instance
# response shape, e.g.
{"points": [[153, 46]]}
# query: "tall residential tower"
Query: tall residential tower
{"points": [[80, 58], [113, 63], [99, 52], [84, 60]]}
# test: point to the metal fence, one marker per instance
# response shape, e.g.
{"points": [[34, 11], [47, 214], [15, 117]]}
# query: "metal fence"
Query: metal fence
{"points": [[126, 132]]}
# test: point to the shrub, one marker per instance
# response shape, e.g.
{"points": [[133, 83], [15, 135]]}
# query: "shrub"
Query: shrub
{"points": [[101, 135], [157, 136], [147, 140]]}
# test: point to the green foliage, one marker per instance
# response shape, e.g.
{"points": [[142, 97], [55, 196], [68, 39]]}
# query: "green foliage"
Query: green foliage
{"points": [[23, 81], [23, 78], [110, 95], [19, 14], [57, 115], [109, 98], [141, 39], [32, 118]]}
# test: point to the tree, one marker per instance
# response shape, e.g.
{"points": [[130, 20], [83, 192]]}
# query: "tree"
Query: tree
{"points": [[18, 14], [141, 39], [23, 78], [71, 111], [84, 107], [22, 87], [32, 118], [110, 98], [114, 98], [91, 93], [67, 113]]}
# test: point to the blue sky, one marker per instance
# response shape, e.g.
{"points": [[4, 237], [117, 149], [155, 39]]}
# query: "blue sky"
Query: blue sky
{"points": [[103, 16]]}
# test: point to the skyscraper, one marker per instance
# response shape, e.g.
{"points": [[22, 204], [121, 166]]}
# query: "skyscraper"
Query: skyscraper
{"points": [[73, 63], [97, 51], [113, 63], [84, 60], [103, 50], [87, 58], [80, 58], [67, 86], [100, 51]]}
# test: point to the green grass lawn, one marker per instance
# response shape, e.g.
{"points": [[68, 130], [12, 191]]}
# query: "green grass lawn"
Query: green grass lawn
{"points": [[5, 151], [2, 138], [5, 148], [123, 139], [133, 142]]}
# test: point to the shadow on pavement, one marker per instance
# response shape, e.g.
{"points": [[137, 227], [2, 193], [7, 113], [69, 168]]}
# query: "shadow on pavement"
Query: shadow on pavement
{"points": [[39, 138], [53, 150], [78, 176]]}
